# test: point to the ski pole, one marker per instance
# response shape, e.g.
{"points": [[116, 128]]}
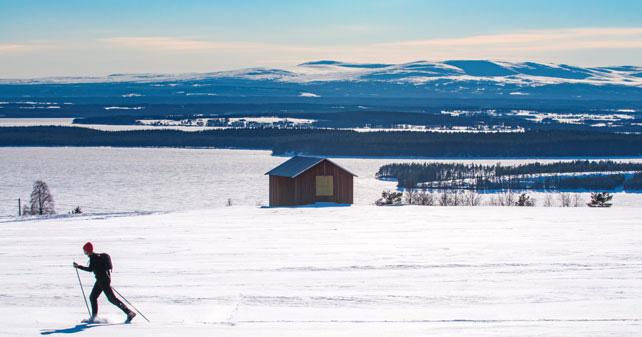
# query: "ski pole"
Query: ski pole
{"points": [[123, 297], [83, 292]]}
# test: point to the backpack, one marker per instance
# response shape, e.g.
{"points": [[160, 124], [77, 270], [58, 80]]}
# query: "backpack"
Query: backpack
{"points": [[105, 261]]}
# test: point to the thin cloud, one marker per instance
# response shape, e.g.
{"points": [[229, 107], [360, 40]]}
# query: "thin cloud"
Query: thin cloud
{"points": [[564, 39], [518, 45], [172, 43], [577, 46], [6, 48], [194, 45]]}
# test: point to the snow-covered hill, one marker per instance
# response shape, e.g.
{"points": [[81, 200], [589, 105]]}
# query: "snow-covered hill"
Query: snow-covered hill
{"points": [[334, 82], [527, 73], [420, 72], [338, 271]]}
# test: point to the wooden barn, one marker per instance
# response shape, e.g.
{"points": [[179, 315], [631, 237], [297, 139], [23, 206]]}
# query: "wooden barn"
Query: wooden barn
{"points": [[306, 180]]}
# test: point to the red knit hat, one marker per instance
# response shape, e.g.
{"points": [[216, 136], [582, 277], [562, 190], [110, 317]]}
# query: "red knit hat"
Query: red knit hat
{"points": [[88, 247]]}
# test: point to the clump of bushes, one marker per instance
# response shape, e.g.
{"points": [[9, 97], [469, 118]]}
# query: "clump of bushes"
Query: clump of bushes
{"points": [[600, 199], [525, 200], [390, 198], [472, 198]]}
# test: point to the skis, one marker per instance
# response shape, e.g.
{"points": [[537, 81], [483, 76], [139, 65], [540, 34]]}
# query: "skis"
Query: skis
{"points": [[95, 320], [105, 321]]}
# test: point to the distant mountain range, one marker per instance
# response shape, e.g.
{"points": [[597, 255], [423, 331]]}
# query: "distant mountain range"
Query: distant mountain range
{"points": [[333, 79]]}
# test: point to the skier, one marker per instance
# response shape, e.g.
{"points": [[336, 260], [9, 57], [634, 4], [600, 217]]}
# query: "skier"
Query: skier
{"points": [[100, 264]]}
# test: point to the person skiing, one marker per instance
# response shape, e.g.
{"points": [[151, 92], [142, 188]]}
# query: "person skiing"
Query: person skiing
{"points": [[100, 264]]}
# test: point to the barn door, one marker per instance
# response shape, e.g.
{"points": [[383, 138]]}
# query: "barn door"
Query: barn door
{"points": [[324, 186]]}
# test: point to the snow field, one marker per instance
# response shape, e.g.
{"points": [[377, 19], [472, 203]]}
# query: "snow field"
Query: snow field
{"points": [[334, 271]]}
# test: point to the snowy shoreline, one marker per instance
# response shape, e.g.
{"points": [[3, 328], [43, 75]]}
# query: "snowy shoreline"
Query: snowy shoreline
{"points": [[405, 158], [108, 179]]}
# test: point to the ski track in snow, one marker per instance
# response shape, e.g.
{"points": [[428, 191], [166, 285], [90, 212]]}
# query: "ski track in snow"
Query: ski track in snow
{"points": [[346, 271]]}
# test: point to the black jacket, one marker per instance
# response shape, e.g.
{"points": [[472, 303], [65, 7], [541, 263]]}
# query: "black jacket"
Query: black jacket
{"points": [[100, 264]]}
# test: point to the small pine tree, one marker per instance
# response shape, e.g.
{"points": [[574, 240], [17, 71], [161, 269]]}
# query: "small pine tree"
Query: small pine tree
{"points": [[525, 200], [389, 198], [600, 199]]}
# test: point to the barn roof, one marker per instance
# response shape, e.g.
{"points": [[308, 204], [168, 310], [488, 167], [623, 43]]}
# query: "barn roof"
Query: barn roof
{"points": [[297, 165]]}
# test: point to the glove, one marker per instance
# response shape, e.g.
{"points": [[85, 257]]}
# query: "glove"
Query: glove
{"points": [[75, 265]]}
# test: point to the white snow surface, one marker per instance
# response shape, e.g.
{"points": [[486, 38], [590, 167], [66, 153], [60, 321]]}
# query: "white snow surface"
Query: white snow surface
{"points": [[308, 94], [333, 271], [413, 72]]}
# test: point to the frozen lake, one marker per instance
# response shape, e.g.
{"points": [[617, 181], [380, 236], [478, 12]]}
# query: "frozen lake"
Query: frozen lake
{"points": [[106, 180]]}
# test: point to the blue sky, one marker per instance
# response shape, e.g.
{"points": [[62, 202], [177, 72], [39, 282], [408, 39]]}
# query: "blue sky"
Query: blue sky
{"points": [[45, 38]]}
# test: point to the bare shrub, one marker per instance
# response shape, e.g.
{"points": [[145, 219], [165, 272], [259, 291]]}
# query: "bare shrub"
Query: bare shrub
{"points": [[411, 196], [507, 198], [565, 199], [493, 200], [26, 210], [548, 200], [444, 199], [41, 202], [458, 198], [576, 200], [424, 198], [471, 198], [453, 198]]}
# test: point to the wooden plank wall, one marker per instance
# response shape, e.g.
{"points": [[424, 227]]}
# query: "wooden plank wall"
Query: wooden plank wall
{"points": [[305, 185], [302, 189], [281, 191]]}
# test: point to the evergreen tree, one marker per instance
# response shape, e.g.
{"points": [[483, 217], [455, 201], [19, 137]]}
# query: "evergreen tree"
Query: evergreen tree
{"points": [[600, 199], [389, 198], [525, 200]]}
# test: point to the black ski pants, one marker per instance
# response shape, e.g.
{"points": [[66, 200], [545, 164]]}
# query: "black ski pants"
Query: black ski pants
{"points": [[105, 286]]}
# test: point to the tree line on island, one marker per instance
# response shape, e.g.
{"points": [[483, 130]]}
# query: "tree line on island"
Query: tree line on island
{"points": [[557, 176]]}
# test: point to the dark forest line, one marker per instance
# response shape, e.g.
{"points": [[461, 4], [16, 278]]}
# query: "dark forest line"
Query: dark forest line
{"points": [[345, 142], [576, 175]]}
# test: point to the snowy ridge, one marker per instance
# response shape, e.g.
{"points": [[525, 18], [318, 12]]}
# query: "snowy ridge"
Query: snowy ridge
{"points": [[522, 73]]}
